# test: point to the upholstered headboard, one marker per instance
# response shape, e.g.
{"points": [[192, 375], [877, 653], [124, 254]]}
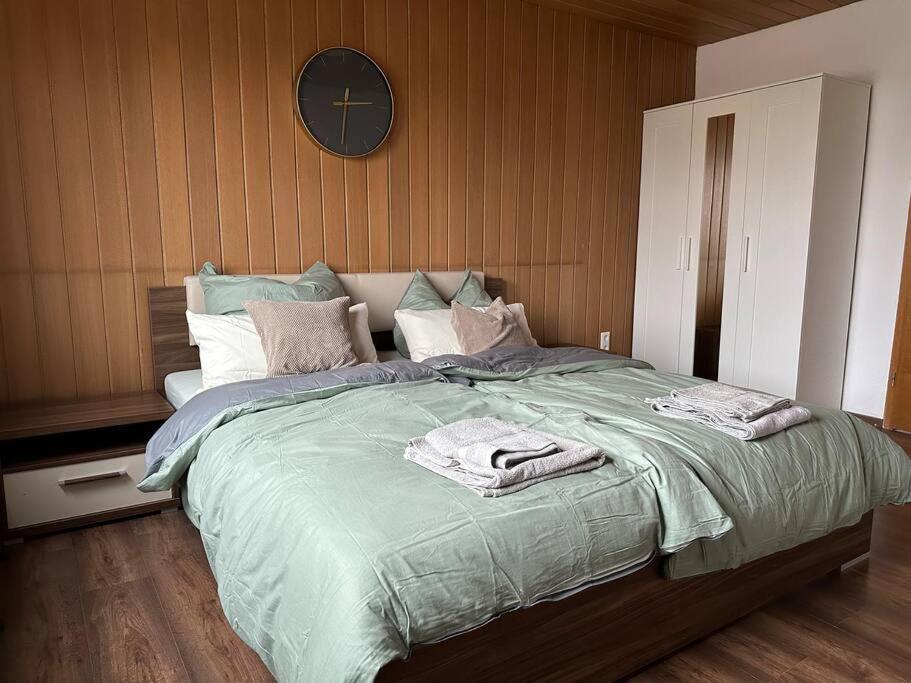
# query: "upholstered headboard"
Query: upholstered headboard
{"points": [[172, 345]]}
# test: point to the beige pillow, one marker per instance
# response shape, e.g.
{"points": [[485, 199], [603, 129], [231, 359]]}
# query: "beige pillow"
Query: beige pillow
{"points": [[303, 336], [486, 329]]}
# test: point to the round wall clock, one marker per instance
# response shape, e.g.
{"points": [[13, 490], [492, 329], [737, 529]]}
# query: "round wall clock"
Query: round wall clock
{"points": [[345, 102]]}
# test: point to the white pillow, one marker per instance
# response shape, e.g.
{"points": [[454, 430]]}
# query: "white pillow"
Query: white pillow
{"points": [[430, 333], [230, 349], [359, 322]]}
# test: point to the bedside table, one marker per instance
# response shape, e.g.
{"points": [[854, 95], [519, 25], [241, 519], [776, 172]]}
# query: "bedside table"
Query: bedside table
{"points": [[69, 464]]}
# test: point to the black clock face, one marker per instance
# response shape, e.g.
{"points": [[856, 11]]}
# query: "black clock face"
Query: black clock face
{"points": [[344, 102]]}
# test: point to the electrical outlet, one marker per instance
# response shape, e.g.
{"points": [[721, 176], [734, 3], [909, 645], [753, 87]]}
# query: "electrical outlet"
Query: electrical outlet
{"points": [[605, 341]]}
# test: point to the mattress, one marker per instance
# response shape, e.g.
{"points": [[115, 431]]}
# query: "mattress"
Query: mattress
{"points": [[180, 387]]}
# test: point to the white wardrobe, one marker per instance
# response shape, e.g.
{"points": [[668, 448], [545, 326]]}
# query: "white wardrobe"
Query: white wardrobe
{"points": [[747, 231]]}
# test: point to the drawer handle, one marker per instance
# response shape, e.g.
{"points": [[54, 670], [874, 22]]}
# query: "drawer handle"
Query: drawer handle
{"points": [[91, 477]]}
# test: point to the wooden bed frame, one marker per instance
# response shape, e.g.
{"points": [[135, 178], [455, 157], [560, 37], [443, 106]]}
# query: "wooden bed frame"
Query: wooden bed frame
{"points": [[607, 631]]}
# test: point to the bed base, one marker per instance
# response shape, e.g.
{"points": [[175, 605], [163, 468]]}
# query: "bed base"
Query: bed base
{"points": [[613, 630]]}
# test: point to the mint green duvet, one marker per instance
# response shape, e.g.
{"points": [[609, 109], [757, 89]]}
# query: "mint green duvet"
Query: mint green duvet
{"points": [[334, 555]]}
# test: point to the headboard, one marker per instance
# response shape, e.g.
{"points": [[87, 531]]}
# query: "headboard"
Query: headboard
{"points": [[172, 348]]}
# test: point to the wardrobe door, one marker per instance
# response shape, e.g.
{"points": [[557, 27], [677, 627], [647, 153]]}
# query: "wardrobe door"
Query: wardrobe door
{"points": [[773, 255], [666, 138], [718, 163]]}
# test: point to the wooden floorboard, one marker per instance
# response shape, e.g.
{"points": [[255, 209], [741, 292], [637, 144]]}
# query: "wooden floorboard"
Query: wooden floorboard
{"points": [[136, 601]]}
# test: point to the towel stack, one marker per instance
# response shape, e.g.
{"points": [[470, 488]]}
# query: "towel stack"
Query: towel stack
{"points": [[741, 413], [493, 458]]}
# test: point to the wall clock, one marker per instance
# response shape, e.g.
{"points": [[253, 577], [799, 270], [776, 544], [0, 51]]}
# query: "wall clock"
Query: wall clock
{"points": [[345, 102]]}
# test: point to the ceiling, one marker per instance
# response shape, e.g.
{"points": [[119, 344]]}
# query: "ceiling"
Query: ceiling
{"points": [[697, 22]]}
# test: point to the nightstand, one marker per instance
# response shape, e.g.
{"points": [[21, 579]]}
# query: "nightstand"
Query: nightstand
{"points": [[69, 464]]}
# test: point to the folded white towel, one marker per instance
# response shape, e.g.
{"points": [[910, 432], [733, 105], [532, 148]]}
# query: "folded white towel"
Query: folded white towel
{"points": [[733, 402], [767, 424], [494, 458]]}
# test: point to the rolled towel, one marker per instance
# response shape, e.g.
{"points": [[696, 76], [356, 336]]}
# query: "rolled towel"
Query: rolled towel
{"points": [[733, 402], [494, 458], [767, 424]]}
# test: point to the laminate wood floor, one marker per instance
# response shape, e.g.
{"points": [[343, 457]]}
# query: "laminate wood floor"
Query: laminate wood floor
{"points": [[135, 601]]}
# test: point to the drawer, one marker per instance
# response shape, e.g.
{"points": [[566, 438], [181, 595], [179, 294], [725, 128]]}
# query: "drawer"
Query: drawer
{"points": [[60, 492]]}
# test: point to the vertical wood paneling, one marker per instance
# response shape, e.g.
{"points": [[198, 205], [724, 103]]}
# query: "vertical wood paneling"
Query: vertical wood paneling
{"points": [[457, 151], [419, 131], [196, 73], [528, 80], [611, 50], [438, 111], [109, 174], [399, 141], [542, 169], [585, 193], [17, 305], [77, 198], [378, 208], [170, 139], [229, 140], [493, 133], [550, 288], [254, 107], [307, 155], [141, 173], [38, 164], [279, 72], [509, 197], [138, 140], [575, 89], [475, 141]]}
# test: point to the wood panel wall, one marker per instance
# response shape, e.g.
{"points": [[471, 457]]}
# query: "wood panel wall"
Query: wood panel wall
{"points": [[139, 139], [719, 148]]}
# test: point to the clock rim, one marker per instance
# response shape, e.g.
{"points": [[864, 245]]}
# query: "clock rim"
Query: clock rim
{"points": [[300, 117]]}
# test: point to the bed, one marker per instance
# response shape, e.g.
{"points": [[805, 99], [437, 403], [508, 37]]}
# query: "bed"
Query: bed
{"points": [[336, 558]]}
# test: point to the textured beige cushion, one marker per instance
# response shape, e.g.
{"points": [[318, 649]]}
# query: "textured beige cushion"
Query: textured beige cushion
{"points": [[303, 336], [485, 329]]}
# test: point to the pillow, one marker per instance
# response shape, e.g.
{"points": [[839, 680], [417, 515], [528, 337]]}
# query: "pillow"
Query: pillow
{"points": [[421, 296], [361, 339], [430, 333], [230, 349], [226, 294], [470, 293], [479, 330], [300, 337]]}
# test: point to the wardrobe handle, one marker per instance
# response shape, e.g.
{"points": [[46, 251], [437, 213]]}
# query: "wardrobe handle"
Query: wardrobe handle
{"points": [[746, 253], [679, 253], [689, 252]]}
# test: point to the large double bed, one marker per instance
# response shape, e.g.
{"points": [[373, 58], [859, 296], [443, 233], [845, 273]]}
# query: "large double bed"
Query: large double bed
{"points": [[338, 559]]}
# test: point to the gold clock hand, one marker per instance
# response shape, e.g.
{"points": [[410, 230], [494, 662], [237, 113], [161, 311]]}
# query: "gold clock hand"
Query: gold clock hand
{"points": [[345, 114], [351, 103]]}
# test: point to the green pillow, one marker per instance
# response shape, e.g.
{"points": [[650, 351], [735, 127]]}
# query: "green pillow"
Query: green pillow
{"points": [[422, 296], [225, 294], [470, 293]]}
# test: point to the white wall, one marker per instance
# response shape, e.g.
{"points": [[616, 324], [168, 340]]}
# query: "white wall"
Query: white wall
{"points": [[868, 41]]}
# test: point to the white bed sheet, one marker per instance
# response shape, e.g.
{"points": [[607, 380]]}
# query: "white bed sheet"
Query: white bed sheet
{"points": [[180, 387]]}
